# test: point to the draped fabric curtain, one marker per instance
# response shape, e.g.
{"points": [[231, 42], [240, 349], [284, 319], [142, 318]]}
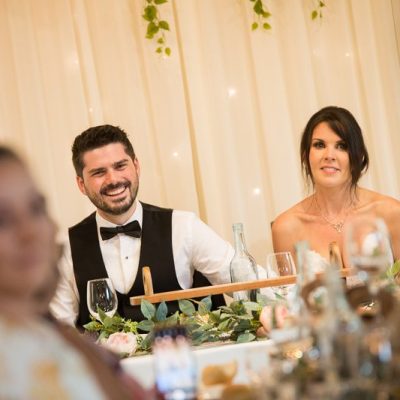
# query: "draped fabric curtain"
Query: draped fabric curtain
{"points": [[216, 126]]}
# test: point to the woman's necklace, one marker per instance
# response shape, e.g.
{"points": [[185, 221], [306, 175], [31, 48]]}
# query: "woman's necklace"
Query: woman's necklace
{"points": [[337, 226]]}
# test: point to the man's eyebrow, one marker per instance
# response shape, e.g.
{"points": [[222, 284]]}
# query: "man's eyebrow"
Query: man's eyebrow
{"points": [[94, 170], [124, 161]]}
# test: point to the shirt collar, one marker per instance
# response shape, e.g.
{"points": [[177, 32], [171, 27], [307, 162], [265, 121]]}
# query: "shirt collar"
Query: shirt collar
{"points": [[137, 215]]}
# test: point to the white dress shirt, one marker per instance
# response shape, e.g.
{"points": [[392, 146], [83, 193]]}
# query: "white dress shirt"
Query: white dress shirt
{"points": [[195, 246]]}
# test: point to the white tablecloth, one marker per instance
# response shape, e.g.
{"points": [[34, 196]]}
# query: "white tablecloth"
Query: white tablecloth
{"points": [[141, 367]]}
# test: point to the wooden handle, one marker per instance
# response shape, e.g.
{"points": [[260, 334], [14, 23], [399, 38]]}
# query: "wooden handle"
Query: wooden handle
{"points": [[219, 289], [147, 281], [335, 257]]}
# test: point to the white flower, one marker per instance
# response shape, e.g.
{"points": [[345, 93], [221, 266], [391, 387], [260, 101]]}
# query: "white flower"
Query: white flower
{"points": [[121, 343]]}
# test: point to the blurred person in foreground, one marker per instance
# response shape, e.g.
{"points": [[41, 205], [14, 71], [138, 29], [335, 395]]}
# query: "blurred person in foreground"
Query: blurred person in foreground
{"points": [[333, 157], [123, 235], [37, 360]]}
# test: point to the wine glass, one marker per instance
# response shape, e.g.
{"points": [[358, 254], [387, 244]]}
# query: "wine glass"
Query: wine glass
{"points": [[368, 249], [280, 264], [101, 294]]}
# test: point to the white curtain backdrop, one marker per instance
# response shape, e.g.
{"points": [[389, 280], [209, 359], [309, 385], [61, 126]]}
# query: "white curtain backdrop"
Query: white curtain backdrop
{"points": [[216, 126]]}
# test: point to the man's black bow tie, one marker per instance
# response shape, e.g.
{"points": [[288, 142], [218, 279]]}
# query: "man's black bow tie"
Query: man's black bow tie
{"points": [[131, 229]]}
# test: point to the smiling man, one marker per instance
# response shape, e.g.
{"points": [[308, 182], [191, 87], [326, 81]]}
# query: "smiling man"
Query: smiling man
{"points": [[124, 234]]}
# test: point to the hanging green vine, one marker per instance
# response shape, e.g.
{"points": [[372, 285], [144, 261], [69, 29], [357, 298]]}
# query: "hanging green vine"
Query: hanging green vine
{"points": [[156, 27], [317, 11], [261, 15]]}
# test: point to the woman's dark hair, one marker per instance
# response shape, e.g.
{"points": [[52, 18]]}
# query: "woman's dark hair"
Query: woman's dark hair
{"points": [[343, 123], [95, 137]]}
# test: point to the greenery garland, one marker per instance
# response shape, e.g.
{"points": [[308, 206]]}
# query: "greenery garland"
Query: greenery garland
{"points": [[157, 27], [237, 322]]}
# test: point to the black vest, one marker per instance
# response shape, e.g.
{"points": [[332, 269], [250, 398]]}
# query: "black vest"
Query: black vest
{"points": [[155, 251]]}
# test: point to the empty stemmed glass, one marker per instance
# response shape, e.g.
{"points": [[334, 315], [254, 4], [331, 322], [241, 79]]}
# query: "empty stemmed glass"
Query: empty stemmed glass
{"points": [[368, 249], [101, 295], [280, 264]]}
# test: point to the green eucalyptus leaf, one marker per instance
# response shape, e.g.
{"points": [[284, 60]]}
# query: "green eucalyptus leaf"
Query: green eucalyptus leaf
{"points": [[242, 326], [173, 319], [245, 337], [321, 4], [102, 314], [160, 1], [146, 325], [159, 50], [215, 316], [147, 309], [254, 26], [314, 14], [223, 326], [202, 309], [394, 269], [226, 310], [162, 311], [258, 7], [150, 13], [92, 326], [164, 25], [186, 307], [108, 322], [238, 307], [152, 28], [207, 302], [103, 335], [146, 342], [160, 40], [167, 51], [266, 26]]}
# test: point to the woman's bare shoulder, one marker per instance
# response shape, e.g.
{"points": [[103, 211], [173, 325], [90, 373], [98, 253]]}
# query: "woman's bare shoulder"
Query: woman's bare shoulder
{"points": [[378, 203], [292, 218]]}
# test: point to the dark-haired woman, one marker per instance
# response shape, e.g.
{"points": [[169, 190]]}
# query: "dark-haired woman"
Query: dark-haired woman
{"points": [[333, 157]]}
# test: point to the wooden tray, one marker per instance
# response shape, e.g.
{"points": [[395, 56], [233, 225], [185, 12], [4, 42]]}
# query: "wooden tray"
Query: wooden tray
{"points": [[220, 289]]}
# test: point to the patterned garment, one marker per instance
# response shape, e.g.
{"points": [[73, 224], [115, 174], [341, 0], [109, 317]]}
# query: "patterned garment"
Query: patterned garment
{"points": [[35, 363]]}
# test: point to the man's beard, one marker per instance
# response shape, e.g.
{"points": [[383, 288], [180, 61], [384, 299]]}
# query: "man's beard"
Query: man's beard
{"points": [[116, 209]]}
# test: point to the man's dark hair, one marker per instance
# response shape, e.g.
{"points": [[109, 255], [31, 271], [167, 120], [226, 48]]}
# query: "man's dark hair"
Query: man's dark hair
{"points": [[95, 137], [343, 123]]}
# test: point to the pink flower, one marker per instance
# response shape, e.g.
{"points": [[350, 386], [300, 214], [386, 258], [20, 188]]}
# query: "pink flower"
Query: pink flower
{"points": [[266, 318], [281, 313], [272, 317], [121, 343]]}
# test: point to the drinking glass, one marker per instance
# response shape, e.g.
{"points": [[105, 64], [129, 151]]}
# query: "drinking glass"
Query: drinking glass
{"points": [[368, 249], [101, 294], [280, 264]]}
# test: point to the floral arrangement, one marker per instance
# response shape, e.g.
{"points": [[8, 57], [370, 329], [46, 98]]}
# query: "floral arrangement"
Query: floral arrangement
{"points": [[239, 322]]}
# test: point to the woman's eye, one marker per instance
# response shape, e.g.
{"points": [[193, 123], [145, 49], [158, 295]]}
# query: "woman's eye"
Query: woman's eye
{"points": [[318, 145], [342, 146]]}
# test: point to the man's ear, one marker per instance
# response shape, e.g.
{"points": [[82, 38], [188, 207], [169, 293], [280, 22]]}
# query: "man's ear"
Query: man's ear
{"points": [[81, 185]]}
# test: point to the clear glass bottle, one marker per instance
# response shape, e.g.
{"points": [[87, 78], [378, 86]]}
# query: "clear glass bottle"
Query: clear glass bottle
{"points": [[340, 331], [174, 365], [243, 267]]}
